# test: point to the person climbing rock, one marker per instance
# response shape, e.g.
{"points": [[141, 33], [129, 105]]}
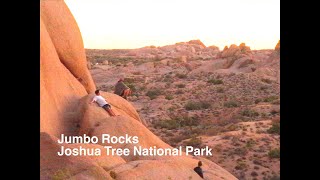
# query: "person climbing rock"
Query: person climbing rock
{"points": [[198, 169], [102, 103], [121, 89]]}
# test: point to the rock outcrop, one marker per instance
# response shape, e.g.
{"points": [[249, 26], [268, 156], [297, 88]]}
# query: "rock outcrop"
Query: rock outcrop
{"points": [[213, 47], [235, 51], [197, 42], [66, 87], [59, 89], [53, 166], [66, 38], [64, 76], [277, 48], [96, 122]]}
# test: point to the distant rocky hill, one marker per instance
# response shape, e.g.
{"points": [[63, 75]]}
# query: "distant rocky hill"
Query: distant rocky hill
{"points": [[191, 50]]}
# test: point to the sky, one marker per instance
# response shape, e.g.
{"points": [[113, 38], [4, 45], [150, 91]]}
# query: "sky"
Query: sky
{"points": [[128, 24]]}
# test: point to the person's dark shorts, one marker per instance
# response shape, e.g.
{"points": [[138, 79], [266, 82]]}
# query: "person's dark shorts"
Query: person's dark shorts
{"points": [[106, 107]]}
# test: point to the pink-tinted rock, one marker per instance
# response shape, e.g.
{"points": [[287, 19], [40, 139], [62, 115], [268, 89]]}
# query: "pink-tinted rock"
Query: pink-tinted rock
{"points": [[53, 166], [277, 48], [66, 38]]}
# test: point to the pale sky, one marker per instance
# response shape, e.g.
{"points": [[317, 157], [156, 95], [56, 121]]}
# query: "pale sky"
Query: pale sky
{"points": [[126, 24]]}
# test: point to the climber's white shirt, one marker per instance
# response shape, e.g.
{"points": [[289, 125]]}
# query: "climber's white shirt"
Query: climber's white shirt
{"points": [[100, 100]]}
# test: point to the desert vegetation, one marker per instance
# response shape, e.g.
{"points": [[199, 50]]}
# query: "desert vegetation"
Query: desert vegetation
{"points": [[188, 101]]}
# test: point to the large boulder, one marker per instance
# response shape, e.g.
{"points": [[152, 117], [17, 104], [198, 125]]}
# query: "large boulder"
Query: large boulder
{"points": [[66, 38], [214, 50], [234, 51], [96, 121], [244, 48], [277, 48], [170, 169], [64, 76], [59, 89], [197, 42], [101, 167], [92, 114], [244, 64], [53, 166]]}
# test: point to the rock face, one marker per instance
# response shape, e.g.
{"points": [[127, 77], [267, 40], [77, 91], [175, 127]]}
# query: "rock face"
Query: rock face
{"points": [[66, 38], [244, 48], [216, 48], [53, 166], [197, 42], [96, 122], [235, 51], [277, 48], [61, 52], [66, 87], [59, 89]]}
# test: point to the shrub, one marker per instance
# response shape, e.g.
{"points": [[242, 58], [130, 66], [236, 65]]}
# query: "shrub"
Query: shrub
{"points": [[129, 80], [262, 88], [257, 162], [276, 101], [275, 177], [220, 90], [136, 73], [169, 97], [168, 80], [113, 174], [250, 143], [249, 113], [213, 131], [254, 173], [179, 92], [194, 141], [231, 127], [274, 129], [181, 76], [197, 105], [196, 131], [227, 121], [168, 124], [61, 174], [132, 87], [270, 99], [241, 166], [154, 93], [257, 101], [240, 151], [181, 85], [177, 122], [230, 104], [227, 136], [142, 88], [179, 138], [274, 153], [168, 76], [273, 112], [188, 121], [215, 81], [170, 109], [268, 81]]}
